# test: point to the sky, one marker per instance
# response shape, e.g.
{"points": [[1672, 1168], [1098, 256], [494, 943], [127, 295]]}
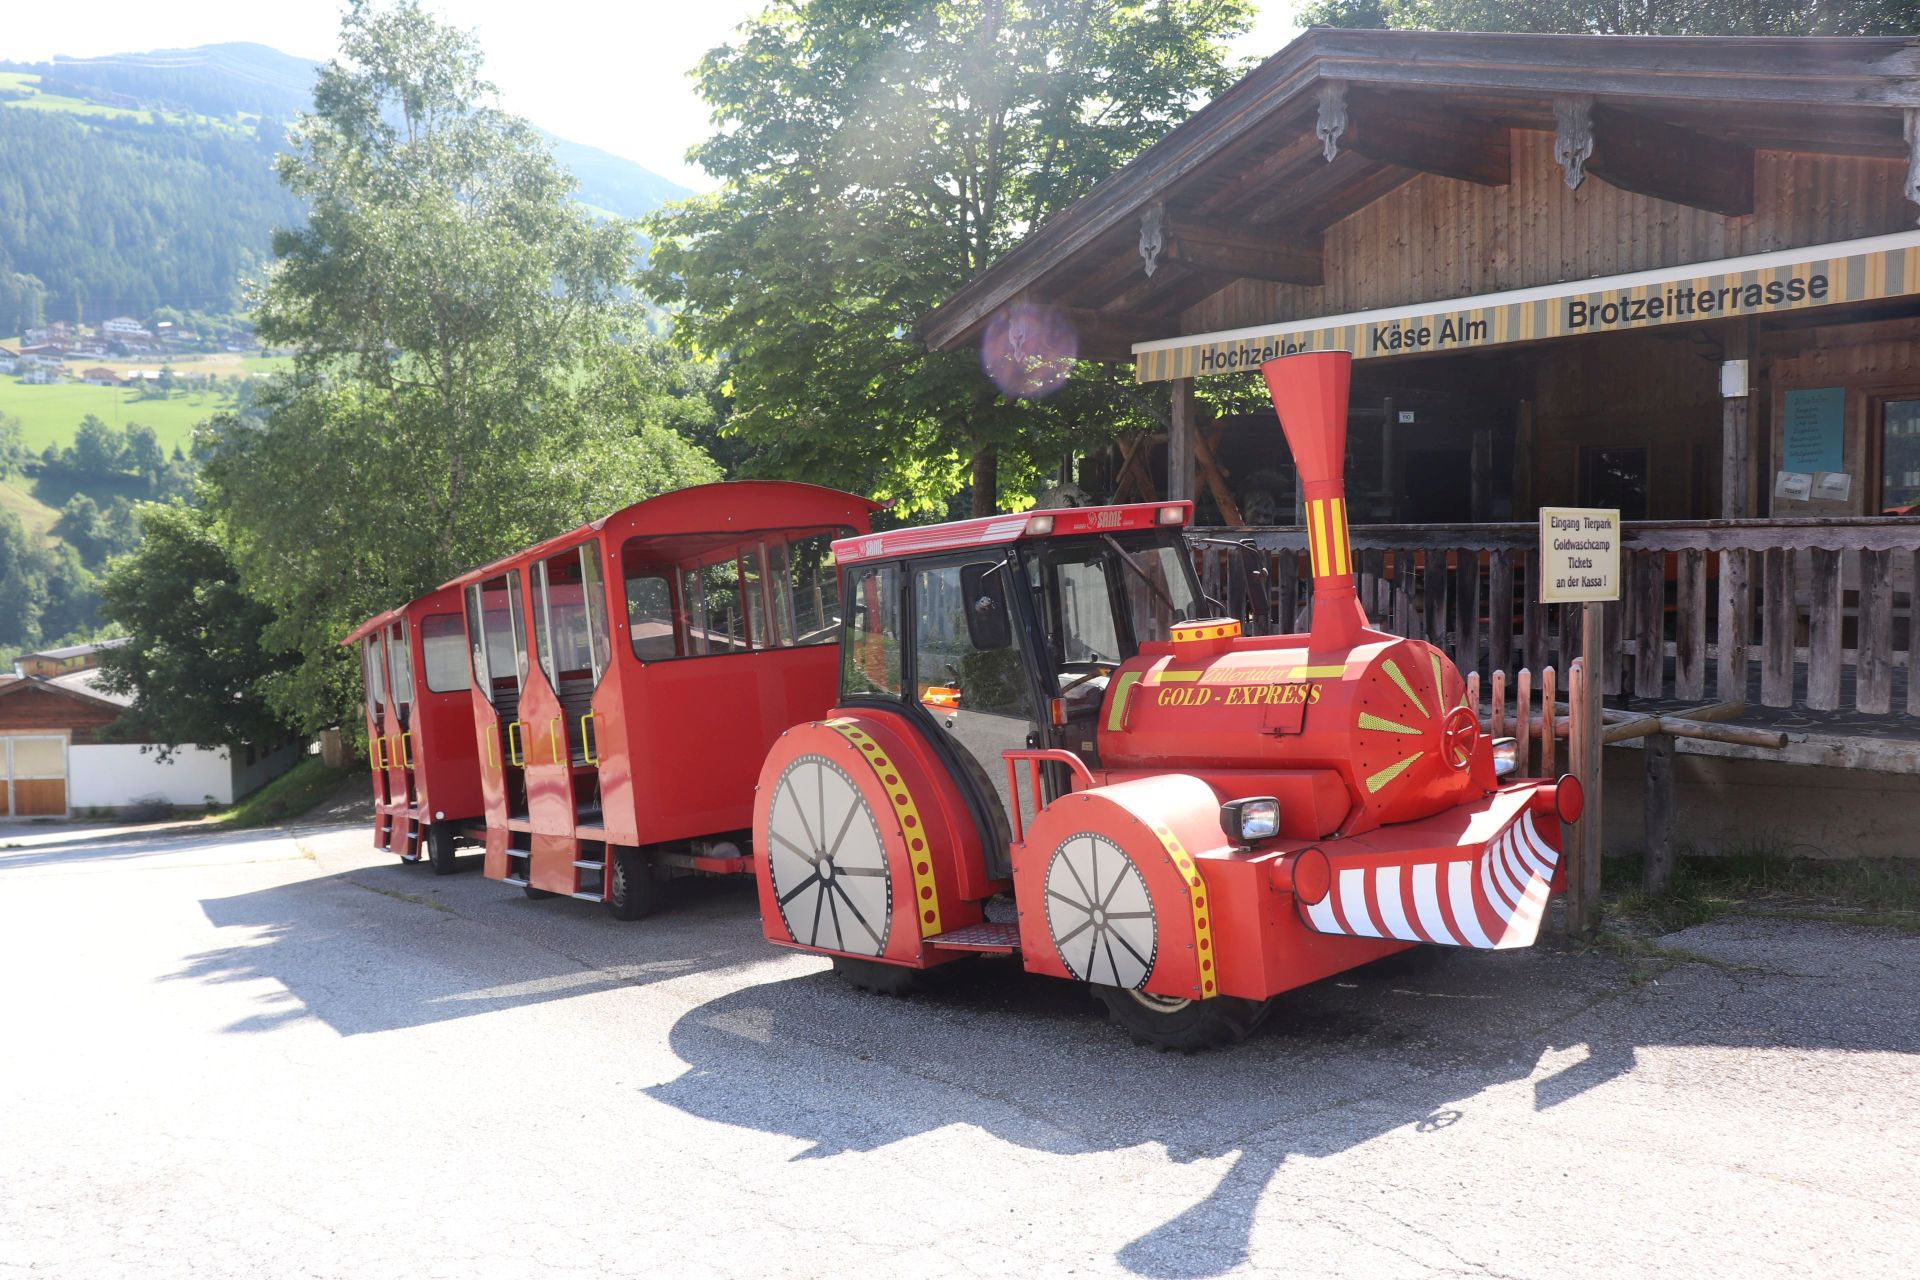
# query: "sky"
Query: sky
{"points": [[607, 74]]}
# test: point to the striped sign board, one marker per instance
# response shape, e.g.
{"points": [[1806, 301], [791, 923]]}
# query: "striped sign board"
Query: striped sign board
{"points": [[1786, 280]]}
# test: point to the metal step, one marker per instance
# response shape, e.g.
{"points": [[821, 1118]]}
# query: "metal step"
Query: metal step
{"points": [[514, 880], [991, 937], [589, 866], [588, 897]]}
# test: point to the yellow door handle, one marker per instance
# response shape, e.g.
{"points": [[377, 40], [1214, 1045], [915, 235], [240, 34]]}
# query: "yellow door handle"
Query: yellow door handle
{"points": [[493, 755], [406, 742], [376, 752], [513, 746], [592, 756], [553, 738]]}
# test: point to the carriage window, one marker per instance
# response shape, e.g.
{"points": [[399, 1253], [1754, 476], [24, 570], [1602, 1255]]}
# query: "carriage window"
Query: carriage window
{"points": [[594, 584], [870, 654], [816, 588], [443, 644], [965, 655], [753, 590], [650, 616], [400, 658], [374, 669], [719, 616], [563, 622], [497, 632]]}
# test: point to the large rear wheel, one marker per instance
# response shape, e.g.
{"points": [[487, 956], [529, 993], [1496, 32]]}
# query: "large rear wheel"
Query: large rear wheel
{"points": [[441, 846], [635, 892], [1182, 1026]]}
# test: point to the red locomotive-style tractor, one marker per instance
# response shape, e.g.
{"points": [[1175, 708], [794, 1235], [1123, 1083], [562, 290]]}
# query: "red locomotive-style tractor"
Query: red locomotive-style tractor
{"points": [[1215, 817]]}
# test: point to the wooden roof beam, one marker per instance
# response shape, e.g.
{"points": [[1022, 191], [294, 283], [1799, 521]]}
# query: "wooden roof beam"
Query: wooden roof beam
{"points": [[1668, 162], [1425, 138], [1242, 252]]}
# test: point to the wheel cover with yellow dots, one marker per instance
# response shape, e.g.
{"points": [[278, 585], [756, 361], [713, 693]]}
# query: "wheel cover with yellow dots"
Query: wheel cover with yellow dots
{"points": [[1099, 912], [827, 860]]}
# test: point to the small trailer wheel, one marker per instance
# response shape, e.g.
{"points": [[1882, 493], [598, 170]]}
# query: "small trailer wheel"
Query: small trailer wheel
{"points": [[635, 892], [1182, 1026], [537, 894], [441, 843], [881, 979]]}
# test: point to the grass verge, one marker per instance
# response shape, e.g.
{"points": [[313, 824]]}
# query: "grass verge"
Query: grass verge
{"points": [[1883, 892], [293, 793]]}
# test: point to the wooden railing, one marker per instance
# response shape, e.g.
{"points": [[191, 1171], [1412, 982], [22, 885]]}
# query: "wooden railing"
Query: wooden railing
{"points": [[1812, 613]]}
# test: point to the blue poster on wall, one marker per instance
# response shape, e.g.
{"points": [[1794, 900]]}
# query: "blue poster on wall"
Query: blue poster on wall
{"points": [[1814, 430]]}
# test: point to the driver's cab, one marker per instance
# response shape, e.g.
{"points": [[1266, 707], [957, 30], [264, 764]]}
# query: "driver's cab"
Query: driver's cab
{"points": [[1009, 645]]}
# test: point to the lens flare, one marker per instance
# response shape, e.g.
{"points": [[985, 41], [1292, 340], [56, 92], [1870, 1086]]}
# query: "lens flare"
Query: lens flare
{"points": [[1029, 350]]}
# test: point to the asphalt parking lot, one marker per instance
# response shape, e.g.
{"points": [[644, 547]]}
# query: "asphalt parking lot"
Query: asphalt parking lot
{"points": [[276, 1054]]}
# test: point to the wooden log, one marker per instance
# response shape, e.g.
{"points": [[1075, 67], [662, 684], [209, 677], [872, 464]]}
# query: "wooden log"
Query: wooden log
{"points": [[1466, 610], [1547, 735], [1589, 721], [1183, 427], [1824, 620], [1523, 722], [1734, 627], [1434, 599], [1499, 609], [1657, 871], [1534, 626], [1627, 730], [1499, 703], [1690, 625], [1650, 618], [1873, 681], [1737, 735], [1776, 630]]}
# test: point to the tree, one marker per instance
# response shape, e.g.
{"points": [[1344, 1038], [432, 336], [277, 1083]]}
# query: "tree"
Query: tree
{"points": [[144, 456], [13, 446], [873, 157], [1638, 17], [195, 666], [96, 451], [467, 373], [79, 527]]}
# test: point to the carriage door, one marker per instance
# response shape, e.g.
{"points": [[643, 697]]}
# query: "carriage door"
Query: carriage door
{"points": [[400, 689], [498, 634], [570, 610], [373, 668], [971, 677]]}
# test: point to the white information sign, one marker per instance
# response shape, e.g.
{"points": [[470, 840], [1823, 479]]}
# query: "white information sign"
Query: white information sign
{"points": [[1579, 554]]}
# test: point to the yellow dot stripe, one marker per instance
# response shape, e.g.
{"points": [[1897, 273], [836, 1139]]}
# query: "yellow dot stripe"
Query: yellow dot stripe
{"points": [[1206, 964], [1187, 632], [1327, 537], [926, 899], [1392, 669], [1368, 720], [1391, 772]]}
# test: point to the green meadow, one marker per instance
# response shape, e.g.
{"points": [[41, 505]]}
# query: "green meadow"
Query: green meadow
{"points": [[50, 414]]}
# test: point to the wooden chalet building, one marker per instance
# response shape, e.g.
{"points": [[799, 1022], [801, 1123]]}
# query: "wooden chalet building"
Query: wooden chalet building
{"points": [[1677, 276]]}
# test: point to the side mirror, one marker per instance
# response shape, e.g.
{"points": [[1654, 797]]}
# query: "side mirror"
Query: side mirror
{"points": [[988, 626]]}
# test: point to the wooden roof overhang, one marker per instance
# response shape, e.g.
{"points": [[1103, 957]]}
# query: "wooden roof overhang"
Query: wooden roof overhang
{"points": [[1244, 187]]}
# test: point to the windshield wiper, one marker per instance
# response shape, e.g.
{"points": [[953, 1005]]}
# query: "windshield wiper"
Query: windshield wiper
{"points": [[1126, 558]]}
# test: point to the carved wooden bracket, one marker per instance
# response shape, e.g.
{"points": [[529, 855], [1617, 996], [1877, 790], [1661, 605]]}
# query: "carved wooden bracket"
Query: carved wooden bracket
{"points": [[1153, 234], [1333, 117], [1913, 156], [1573, 137]]}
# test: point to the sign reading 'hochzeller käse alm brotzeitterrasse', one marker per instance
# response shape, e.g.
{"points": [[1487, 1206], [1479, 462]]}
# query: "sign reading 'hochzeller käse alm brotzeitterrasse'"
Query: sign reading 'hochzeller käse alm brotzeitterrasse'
{"points": [[1820, 275]]}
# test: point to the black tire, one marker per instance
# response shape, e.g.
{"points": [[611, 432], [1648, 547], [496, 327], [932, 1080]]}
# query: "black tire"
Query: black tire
{"points": [[635, 894], [537, 894], [1266, 498], [441, 846], [1182, 1026], [877, 977]]}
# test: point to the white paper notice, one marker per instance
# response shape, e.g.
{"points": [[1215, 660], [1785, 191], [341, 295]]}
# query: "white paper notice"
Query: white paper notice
{"points": [[1793, 484], [1833, 486]]}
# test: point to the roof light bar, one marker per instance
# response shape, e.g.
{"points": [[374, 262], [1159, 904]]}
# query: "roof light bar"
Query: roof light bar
{"points": [[1171, 515], [1039, 526]]}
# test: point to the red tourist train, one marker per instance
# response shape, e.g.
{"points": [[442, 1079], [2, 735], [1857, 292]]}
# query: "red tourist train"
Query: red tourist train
{"points": [[1027, 735], [630, 675], [1215, 818], [426, 764]]}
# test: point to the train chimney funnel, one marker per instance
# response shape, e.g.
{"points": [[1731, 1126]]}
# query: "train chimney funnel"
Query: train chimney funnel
{"points": [[1310, 395]]}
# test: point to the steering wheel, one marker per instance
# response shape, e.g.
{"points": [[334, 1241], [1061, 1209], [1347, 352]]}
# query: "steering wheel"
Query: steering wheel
{"points": [[1075, 683]]}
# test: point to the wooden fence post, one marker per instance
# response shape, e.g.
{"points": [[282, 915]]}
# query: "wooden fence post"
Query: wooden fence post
{"points": [[1585, 752], [1657, 872]]}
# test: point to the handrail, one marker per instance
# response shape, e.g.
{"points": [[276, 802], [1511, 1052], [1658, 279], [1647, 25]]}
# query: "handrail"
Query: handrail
{"points": [[406, 743], [553, 737], [376, 752], [513, 747], [1082, 778], [591, 756]]}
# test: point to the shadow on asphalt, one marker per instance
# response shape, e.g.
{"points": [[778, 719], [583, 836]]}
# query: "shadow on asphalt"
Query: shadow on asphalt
{"points": [[1411, 1040], [328, 940]]}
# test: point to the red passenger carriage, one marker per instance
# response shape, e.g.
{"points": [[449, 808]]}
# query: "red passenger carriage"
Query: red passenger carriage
{"points": [[426, 767], [1047, 743], [631, 674]]}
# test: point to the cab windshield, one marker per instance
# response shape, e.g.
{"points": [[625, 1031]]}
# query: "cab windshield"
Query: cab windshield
{"points": [[1100, 598]]}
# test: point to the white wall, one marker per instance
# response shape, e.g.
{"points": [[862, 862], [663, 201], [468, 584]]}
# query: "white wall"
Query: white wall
{"points": [[120, 775], [248, 778]]}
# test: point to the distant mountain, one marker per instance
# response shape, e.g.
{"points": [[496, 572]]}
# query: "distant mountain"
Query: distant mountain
{"points": [[141, 180]]}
